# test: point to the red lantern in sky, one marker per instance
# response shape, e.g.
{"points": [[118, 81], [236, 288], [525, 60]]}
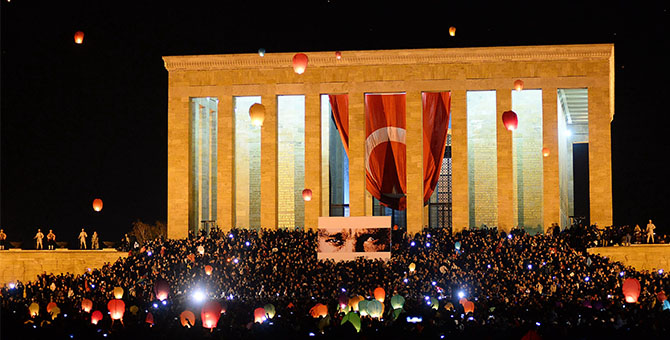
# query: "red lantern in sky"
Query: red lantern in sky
{"points": [[208, 270], [452, 31], [380, 294], [187, 318], [307, 195], [97, 204], [96, 316], [161, 289], [631, 290], [79, 37], [300, 63], [50, 306], [510, 120], [259, 315], [518, 84], [116, 309], [545, 152], [210, 314], [149, 319], [338, 55], [257, 114], [86, 305]]}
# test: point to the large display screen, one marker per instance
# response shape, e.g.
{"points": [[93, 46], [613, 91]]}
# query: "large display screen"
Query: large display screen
{"points": [[346, 238]]}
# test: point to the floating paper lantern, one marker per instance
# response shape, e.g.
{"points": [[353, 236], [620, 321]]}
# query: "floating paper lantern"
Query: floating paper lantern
{"points": [[134, 309], [631, 290], [211, 312], [469, 307], [319, 310], [338, 55], [86, 305], [50, 306], [510, 120], [261, 52], [363, 307], [161, 289], [412, 267], [375, 308], [118, 292], [397, 301], [96, 316], [343, 301], [201, 250], [545, 152], [187, 318], [270, 310], [518, 84], [379, 294], [259, 315], [300, 61], [307, 195], [34, 309], [457, 245], [354, 319], [452, 31], [54, 312], [353, 302], [434, 303], [257, 114], [116, 309], [97, 204], [208, 270], [149, 319], [79, 37]]}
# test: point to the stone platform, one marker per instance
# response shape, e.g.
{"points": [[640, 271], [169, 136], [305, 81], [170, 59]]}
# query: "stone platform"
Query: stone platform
{"points": [[640, 256], [25, 265]]}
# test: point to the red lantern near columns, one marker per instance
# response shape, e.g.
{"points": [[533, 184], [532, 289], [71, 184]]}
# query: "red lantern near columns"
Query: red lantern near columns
{"points": [[510, 120], [307, 195], [300, 63]]}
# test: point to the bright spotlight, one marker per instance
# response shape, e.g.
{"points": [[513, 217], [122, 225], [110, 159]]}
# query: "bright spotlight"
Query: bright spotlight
{"points": [[461, 294], [198, 296]]}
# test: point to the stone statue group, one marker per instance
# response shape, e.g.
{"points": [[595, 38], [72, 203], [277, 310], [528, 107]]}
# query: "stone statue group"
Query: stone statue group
{"points": [[51, 240]]}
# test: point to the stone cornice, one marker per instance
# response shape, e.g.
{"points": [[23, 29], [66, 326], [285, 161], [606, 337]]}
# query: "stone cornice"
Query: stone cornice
{"points": [[393, 57]]}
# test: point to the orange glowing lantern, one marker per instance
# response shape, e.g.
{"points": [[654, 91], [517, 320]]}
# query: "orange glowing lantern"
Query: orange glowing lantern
{"points": [[510, 120], [97, 204], [208, 270], [257, 114], [161, 289], [338, 55], [300, 63], [118, 292], [518, 84], [50, 306], [319, 310], [545, 152], [412, 267], [259, 315], [307, 195], [86, 305], [187, 318], [79, 37], [380, 294], [631, 290], [211, 312], [149, 319], [353, 302], [116, 308], [34, 309], [96, 316], [452, 31], [469, 307]]}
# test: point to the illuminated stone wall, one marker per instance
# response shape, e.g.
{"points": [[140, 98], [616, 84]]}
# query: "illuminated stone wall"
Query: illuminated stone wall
{"points": [[247, 165], [203, 161], [291, 161]]}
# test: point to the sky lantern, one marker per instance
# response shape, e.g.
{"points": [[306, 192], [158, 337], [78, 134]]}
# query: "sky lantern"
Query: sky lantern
{"points": [[510, 120], [161, 289], [343, 301], [118, 292], [261, 52], [96, 316], [452, 31], [211, 312], [307, 195], [631, 290], [34, 309], [187, 318], [457, 245], [257, 114], [375, 308], [319, 310], [434, 303], [545, 152], [412, 267], [363, 307], [79, 37], [97, 204], [354, 319], [50, 306], [518, 84], [300, 63], [208, 270], [380, 294], [397, 301], [149, 319], [469, 307], [201, 250], [116, 309], [338, 55], [54, 312], [353, 302], [270, 310], [86, 305], [259, 315]]}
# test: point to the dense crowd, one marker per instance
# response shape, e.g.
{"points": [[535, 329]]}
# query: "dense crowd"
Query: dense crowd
{"points": [[521, 285]]}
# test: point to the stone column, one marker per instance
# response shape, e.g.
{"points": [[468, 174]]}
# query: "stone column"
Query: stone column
{"points": [[505, 162], [551, 198], [357, 190], [269, 160], [313, 156], [178, 164], [414, 161], [225, 162], [460, 200], [600, 156]]}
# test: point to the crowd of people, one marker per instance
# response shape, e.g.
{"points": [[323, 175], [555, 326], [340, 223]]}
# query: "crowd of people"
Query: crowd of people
{"points": [[521, 285]]}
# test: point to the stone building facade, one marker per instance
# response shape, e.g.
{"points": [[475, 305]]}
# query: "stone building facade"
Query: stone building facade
{"points": [[223, 170]]}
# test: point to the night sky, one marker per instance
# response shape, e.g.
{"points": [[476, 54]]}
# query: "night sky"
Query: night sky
{"points": [[87, 121]]}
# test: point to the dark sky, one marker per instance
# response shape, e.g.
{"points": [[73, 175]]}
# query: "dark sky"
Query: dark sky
{"points": [[87, 121]]}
